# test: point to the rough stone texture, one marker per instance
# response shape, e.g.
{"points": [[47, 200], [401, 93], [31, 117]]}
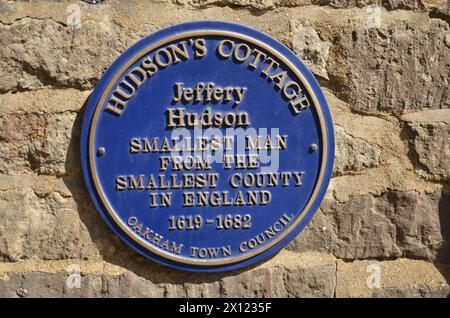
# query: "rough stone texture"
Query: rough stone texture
{"points": [[426, 5], [419, 291], [430, 138], [395, 224], [255, 4], [40, 132], [440, 6], [313, 51], [359, 169], [398, 63], [354, 154], [385, 71], [287, 275], [405, 64], [45, 225], [42, 145], [39, 53], [399, 278]]}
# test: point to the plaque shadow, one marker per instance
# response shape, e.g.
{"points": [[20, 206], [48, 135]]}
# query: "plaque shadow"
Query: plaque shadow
{"points": [[443, 254], [112, 250]]}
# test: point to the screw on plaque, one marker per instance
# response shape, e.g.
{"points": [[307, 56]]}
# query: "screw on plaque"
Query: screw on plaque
{"points": [[313, 148], [101, 151]]}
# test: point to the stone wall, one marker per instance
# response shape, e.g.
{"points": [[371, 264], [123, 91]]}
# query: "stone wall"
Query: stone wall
{"points": [[383, 229]]}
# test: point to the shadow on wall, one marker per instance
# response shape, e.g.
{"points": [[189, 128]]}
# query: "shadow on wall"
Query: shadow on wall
{"points": [[443, 256], [114, 251], [110, 247]]}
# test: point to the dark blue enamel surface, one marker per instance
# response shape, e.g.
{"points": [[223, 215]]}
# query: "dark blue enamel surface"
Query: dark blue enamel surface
{"points": [[144, 117]]}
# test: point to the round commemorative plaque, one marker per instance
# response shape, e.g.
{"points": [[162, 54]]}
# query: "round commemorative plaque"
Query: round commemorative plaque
{"points": [[207, 146]]}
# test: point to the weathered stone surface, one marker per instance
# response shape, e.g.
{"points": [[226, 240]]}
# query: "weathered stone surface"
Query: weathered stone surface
{"points": [[41, 225], [377, 62], [57, 155], [16, 140], [395, 224], [371, 154], [398, 66], [313, 51], [440, 6], [354, 154], [287, 275], [359, 139], [52, 218], [255, 4], [430, 132], [52, 285], [41, 144], [44, 53], [432, 144], [40, 132], [419, 291], [425, 5], [46, 144], [398, 278], [388, 4], [312, 279]]}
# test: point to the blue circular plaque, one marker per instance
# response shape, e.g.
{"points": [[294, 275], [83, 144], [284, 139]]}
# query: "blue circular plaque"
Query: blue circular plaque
{"points": [[207, 146]]}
